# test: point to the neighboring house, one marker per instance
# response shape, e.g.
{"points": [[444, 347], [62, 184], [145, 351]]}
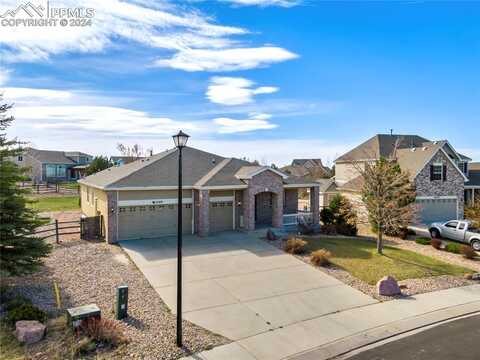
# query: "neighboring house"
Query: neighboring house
{"points": [[312, 168], [53, 166], [437, 170], [472, 187], [122, 160], [139, 200]]}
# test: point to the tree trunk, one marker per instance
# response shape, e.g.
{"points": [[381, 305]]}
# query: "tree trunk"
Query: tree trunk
{"points": [[380, 240]]}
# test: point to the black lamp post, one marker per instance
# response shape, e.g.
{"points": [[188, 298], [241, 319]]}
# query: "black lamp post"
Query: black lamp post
{"points": [[180, 141]]}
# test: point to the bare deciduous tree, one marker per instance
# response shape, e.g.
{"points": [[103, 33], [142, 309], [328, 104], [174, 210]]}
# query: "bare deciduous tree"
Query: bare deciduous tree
{"points": [[135, 150]]}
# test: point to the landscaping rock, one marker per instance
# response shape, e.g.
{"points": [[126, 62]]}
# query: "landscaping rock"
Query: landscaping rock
{"points": [[476, 276], [29, 331], [388, 286]]}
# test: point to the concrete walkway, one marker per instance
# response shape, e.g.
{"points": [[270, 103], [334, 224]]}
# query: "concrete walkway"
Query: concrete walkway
{"points": [[326, 336], [239, 286]]}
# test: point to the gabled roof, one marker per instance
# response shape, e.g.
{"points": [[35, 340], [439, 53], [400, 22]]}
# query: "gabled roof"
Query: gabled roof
{"points": [[247, 172], [413, 160], [301, 162], [157, 170], [356, 184], [200, 169], [49, 156], [125, 159], [382, 145]]}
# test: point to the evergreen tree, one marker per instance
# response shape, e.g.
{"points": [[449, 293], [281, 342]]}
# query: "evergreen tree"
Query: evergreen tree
{"points": [[20, 251], [98, 163]]}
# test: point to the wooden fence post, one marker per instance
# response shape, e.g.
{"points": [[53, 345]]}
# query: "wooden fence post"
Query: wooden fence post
{"points": [[56, 231]]}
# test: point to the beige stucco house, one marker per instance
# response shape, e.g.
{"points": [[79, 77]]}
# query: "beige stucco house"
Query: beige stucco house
{"points": [[139, 199]]}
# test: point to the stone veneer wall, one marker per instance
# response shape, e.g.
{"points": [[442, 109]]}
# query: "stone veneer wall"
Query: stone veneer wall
{"points": [[453, 186], [203, 212], [266, 181], [291, 201], [110, 218]]}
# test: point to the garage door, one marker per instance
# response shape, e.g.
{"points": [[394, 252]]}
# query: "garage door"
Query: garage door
{"points": [[135, 222], [431, 210], [221, 216]]}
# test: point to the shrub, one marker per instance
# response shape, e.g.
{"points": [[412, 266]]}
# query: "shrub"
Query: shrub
{"points": [[468, 252], [346, 229], [328, 229], [436, 243], [423, 240], [25, 311], [326, 216], [453, 248], [103, 330], [295, 246], [320, 257]]}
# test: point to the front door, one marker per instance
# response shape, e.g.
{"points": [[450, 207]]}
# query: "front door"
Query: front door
{"points": [[264, 208]]}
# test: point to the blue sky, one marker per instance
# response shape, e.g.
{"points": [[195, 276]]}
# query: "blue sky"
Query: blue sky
{"points": [[266, 79]]}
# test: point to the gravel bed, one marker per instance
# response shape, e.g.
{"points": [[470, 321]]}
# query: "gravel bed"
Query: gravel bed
{"points": [[89, 273], [409, 286]]}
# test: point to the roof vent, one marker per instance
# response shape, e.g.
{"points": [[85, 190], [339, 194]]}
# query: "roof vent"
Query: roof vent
{"points": [[214, 161]]}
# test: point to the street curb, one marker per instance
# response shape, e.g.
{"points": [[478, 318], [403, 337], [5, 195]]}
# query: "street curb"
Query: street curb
{"points": [[355, 342]]}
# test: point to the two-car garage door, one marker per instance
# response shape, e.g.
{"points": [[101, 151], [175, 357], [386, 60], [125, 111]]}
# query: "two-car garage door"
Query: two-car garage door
{"points": [[436, 209], [151, 221]]}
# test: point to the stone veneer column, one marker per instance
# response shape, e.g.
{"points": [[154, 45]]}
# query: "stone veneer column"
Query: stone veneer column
{"points": [[248, 210], [203, 212], [110, 219], [277, 219], [315, 203]]}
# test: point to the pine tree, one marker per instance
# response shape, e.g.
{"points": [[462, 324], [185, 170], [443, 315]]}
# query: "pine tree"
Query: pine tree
{"points": [[20, 251]]}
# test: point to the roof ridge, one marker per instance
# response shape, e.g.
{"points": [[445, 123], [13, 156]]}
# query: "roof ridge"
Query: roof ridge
{"points": [[204, 179]]}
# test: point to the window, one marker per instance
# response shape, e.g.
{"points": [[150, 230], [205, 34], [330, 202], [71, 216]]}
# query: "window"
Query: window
{"points": [[461, 226], [142, 208], [452, 224], [133, 209], [122, 209], [51, 170], [436, 172], [20, 158], [61, 171]]}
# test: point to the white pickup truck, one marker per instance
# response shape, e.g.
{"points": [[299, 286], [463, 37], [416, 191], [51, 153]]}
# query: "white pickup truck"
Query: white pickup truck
{"points": [[459, 230]]}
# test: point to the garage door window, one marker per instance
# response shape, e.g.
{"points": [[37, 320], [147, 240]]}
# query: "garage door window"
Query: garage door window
{"points": [[133, 209], [122, 209]]}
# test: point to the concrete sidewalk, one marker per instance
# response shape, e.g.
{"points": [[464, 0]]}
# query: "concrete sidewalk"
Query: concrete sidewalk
{"points": [[305, 339]]}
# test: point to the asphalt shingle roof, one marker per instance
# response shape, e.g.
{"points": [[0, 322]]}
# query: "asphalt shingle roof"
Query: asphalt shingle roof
{"points": [[50, 156]]}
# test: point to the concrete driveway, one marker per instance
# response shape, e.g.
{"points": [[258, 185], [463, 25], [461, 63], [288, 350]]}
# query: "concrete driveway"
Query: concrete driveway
{"points": [[239, 286]]}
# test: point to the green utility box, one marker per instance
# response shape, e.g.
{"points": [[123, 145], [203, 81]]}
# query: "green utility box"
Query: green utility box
{"points": [[77, 314], [121, 310]]}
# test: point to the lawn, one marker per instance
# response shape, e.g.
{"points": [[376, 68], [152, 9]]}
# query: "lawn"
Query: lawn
{"points": [[10, 348], [56, 203], [359, 258]]}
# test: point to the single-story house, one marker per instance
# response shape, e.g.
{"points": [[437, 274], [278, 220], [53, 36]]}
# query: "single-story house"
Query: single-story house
{"points": [[53, 166], [439, 173], [139, 199]]}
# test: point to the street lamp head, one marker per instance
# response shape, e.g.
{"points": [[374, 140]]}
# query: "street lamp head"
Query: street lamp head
{"points": [[180, 139]]}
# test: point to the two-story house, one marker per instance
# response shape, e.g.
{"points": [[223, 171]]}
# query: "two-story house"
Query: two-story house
{"points": [[438, 172]]}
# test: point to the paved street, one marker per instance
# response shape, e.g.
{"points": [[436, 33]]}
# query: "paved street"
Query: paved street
{"points": [[454, 340]]}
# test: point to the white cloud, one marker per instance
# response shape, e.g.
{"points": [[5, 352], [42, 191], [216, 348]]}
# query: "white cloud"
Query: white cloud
{"points": [[197, 42], [255, 122], [281, 3], [226, 59], [4, 76], [29, 95], [235, 90]]}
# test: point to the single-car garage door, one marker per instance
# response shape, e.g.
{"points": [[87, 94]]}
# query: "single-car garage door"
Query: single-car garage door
{"points": [[136, 222], [221, 216], [432, 210]]}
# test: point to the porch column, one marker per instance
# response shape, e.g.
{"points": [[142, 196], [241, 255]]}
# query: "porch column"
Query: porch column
{"points": [[203, 212], [248, 210], [315, 204], [277, 220]]}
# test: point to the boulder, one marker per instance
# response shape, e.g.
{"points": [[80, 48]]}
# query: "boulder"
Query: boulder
{"points": [[388, 286], [29, 331]]}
